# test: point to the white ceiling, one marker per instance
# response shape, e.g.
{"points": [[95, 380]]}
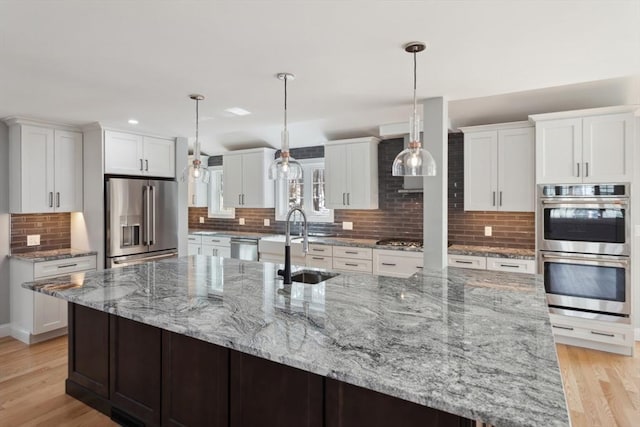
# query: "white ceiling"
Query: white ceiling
{"points": [[84, 61]]}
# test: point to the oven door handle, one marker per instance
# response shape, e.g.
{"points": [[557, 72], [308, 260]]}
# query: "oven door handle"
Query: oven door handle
{"points": [[571, 257], [601, 203]]}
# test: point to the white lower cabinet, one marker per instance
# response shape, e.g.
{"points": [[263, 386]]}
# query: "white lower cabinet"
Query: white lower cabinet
{"points": [[395, 263], [346, 258], [468, 261], [36, 317], [494, 264], [198, 244], [598, 335]]}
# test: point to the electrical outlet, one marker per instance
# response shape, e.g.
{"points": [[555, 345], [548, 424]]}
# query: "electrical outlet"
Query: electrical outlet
{"points": [[241, 221], [488, 230], [347, 225], [33, 240], [201, 220], [267, 222]]}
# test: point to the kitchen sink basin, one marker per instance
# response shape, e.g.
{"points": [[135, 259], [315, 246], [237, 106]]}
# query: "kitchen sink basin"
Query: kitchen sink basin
{"points": [[311, 277]]}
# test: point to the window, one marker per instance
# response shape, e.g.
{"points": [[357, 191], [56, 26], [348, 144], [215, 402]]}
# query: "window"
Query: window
{"points": [[307, 193], [216, 208]]}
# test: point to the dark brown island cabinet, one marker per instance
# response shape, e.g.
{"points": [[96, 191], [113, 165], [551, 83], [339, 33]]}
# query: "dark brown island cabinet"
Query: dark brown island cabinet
{"points": [[140, 375]]}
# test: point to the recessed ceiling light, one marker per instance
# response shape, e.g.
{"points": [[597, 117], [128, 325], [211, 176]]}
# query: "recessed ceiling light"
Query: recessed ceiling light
{"points": [[133, 122], [238, 111]]}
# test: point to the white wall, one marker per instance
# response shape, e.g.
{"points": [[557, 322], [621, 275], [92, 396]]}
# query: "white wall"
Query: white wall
{"points": [[182, 157], [4, 225]]}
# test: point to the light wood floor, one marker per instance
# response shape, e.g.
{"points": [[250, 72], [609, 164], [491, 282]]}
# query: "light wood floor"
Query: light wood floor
{"points": [[602, 389]]}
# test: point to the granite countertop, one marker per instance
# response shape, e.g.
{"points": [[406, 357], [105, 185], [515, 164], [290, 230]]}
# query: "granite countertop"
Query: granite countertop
{"points": [[474, 343], [229, 233], [492, 252], [52, 255]]}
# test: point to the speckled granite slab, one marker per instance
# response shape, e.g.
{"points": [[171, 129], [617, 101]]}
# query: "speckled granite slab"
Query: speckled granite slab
{"points": [[474, 343], [344, 241], [52, 255], [228, 233], [492, 252]]}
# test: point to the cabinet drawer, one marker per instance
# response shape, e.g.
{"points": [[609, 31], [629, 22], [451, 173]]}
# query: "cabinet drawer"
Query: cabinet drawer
{"points": [[346, 264], [63, 266], [316, 261], [216, 241], [396, 263], [322, 250], [356, 253], [194, 238], [599, 334], [468, 261], [513, 265]]}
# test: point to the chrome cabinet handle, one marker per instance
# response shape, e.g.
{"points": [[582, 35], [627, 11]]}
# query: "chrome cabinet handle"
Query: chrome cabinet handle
{"points": [[351, 252], [242, 199], [578, 168], [67, 265], [419, 267], [462, 262], [586, 169], [500, 198], [141, 165], [603, 334], [146, 165], [494, 198], [50, 199], [348, 199], [317, 250], [390, 264], [343, 199], [318, 258], [57, 199], [239, 199], [509, 265], [562, 327], [351, 265]]}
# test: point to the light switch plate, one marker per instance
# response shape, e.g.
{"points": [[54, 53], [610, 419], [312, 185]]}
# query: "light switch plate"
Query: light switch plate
{"points": [[241, 221], [267, 222], [347, 225], [33, 240], [201, 220], [488, 230]]}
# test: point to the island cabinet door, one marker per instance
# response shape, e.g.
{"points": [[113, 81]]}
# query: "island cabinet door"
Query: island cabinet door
{"points": [[136, 369], [195, 382], [89, 349], [348, 405], [265, 393]]}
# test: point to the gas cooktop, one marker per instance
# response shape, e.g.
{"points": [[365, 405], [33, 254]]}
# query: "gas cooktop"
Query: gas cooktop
{"points": [[409, 243]]}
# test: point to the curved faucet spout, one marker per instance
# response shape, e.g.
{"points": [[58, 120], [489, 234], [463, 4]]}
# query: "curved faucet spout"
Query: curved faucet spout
{"points": [[287, 247]]}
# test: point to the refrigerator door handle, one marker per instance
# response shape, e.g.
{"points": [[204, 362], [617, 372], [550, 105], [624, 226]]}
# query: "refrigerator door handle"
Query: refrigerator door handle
{"points": [[153, 215], [145, 214]]}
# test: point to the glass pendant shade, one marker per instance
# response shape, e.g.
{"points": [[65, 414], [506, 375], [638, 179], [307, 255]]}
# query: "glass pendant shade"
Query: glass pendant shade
{"points": [[195, 171], [285, 167]]}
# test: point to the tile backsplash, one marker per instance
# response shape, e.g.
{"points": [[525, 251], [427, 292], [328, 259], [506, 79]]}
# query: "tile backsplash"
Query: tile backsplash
{"points": [[54, 230]]}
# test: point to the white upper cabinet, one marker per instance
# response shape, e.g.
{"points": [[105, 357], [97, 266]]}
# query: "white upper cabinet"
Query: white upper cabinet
{"points": [[351, 173], [45, 169], [499, 168], [591, 146], [246, 182], [130, 154]]}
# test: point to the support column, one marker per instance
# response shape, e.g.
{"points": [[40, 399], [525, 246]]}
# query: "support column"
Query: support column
{"points": [[436, 119]]}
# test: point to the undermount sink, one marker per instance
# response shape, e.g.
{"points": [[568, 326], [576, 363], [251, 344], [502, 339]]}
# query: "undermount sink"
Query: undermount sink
{"points": [[311, 277]]}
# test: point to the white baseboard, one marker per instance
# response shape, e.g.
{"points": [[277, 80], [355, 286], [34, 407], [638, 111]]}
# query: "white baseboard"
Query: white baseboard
{"points": [[20, 335], [5, 330]]}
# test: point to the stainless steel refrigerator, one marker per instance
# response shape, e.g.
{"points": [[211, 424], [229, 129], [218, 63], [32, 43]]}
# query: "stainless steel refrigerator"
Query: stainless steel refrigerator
{"points": [[141, 220]]}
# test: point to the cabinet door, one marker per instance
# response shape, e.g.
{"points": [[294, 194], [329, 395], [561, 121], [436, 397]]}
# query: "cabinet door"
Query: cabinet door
{"points": [[259, 387], [516, 175], [123, 153], [68, 171], [37, 170], [232, 184], [195, 382], [159, 157], [135, 369], [194, 249], [481, 171], [49, 313], [254, 181], [559, 151], [608, 148], [335, 167], [362, 176]]}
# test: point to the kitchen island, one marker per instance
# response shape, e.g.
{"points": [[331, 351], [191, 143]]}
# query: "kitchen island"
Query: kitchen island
{"points": [[474, 344]]}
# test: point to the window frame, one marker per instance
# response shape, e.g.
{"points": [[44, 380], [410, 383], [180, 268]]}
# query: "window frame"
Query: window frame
{"points": [[215, 193]]}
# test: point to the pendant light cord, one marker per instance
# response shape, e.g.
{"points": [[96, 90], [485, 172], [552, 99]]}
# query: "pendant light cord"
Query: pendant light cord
{"points": [[415, 102], [285, 102]]}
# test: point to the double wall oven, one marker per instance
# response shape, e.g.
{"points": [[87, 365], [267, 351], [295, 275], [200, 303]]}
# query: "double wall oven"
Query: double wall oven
{"points": [[584, 234]]}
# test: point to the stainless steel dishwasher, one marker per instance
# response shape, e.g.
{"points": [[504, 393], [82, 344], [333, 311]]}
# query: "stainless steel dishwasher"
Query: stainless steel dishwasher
{"points": [[244, 248]]}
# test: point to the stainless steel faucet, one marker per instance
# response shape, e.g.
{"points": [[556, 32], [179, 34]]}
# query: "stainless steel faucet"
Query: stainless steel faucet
{"points": [[286, 273]]}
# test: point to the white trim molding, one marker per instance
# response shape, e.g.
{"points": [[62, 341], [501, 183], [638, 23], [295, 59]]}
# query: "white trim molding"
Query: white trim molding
{"points": [[5, 330]]}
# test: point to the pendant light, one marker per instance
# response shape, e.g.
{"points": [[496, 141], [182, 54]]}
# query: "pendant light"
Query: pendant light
{"points": [[285, 167], [414, 160], [196, 171]]}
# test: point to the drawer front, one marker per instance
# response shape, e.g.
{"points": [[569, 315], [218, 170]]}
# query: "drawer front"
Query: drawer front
{"points": [[355, 253], [194, 238], [321, 250], [63, 266], [346, 264], [396, 263], [216, 241], [513, 265], [467, 261], [316, 261], [599, 334]]}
